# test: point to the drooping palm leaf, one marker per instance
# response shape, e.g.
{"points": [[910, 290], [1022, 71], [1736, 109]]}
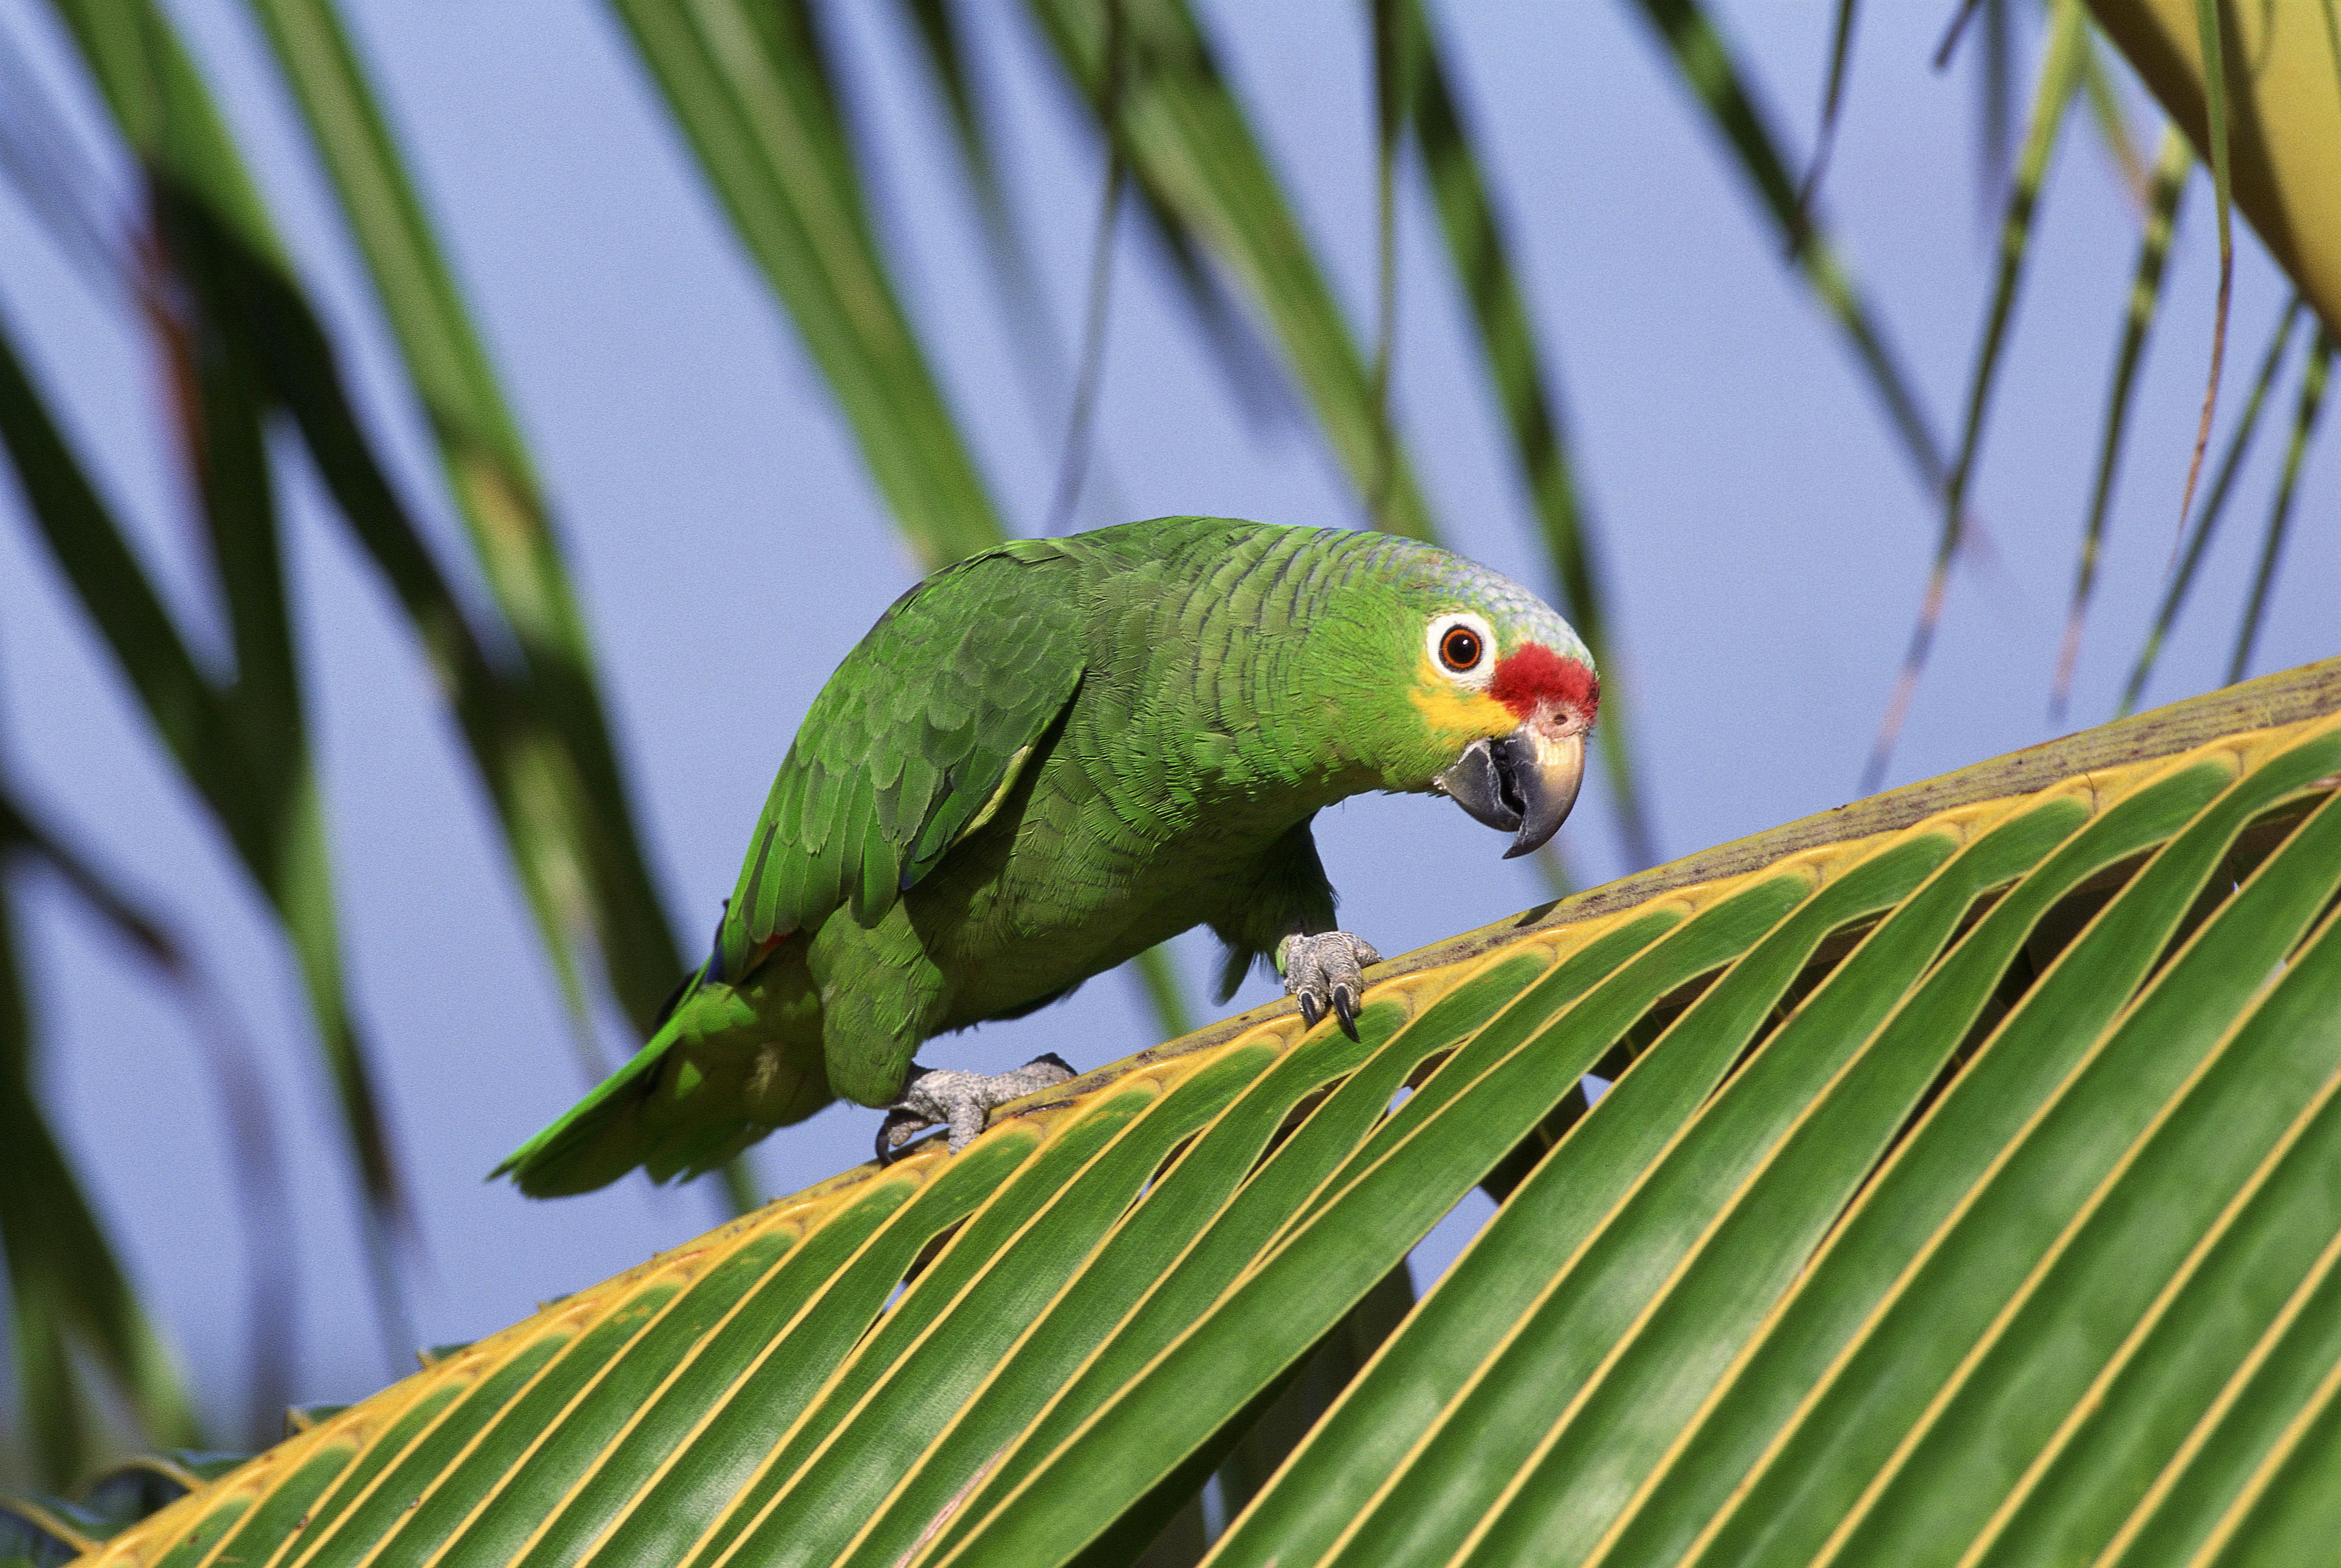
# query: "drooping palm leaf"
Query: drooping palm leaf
{"points": [[72, 1307], [2052, 96], [40, 1532], [2209, 40], [1966, 1182], [241, 753], [1191, 150], [2205, 525], [583, 869], [2304, 427], [2172, 167], [1724, 89], [2282, 92], [1477, 244], [747, 86]]}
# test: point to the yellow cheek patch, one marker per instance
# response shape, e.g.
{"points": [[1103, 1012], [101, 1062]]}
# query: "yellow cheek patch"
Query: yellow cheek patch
{"points": [[1458, 713]]}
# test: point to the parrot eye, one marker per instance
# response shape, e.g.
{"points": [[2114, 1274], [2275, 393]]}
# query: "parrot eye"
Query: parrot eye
{"points": [[1460, 643]]}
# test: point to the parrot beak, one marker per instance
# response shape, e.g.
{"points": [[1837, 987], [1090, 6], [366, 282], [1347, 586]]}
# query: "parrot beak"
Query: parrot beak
{"points": [[1525, 781]]}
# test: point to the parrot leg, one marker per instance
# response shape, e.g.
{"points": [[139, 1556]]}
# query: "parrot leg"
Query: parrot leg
{"points": [[1324, 972], [959, 1100]]}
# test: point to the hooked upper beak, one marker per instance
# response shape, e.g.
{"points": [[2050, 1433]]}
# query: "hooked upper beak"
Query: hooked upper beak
{"points": [[1525, 781]]}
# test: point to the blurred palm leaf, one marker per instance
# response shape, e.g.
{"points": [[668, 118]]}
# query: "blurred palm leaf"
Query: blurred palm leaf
{"points": [[243, 341], [1477, 246], [45, 1532], [2283, 100], [239, 746], [1966, 1183], [1727, 92], [2172, 167], [751, 89], [583, 868], [2204, 525], [2303, 425], [74, 1309], [2053, 92]]}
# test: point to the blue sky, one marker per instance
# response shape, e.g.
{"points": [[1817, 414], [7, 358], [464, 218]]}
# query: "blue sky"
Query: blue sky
{"points": [[1766, 541]]}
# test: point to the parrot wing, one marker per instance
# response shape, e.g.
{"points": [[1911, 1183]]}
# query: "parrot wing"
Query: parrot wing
{"points": [[911, 745]]}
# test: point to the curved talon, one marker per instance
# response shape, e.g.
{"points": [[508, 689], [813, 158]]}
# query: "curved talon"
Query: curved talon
{"points": [[898, 1129], [1324, 973], [1345, 1010]]}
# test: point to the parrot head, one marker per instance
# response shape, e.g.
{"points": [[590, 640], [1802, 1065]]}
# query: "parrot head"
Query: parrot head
{"points": [[1499, 692]]}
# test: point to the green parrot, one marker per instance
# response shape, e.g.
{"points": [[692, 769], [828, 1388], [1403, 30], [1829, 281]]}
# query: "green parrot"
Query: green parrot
{"points": [[1046, 759]]}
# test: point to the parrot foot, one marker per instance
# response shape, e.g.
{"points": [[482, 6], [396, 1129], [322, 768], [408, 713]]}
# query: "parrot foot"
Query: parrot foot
{"points": [[942, 1096], [1323, 973]]}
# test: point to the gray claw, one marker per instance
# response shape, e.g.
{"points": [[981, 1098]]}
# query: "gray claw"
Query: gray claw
{"points": [[959, 1100], [1324, 973]]}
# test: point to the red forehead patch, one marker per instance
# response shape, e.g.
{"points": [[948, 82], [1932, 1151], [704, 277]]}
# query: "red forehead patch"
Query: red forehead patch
{"points": [[1534, 673]]}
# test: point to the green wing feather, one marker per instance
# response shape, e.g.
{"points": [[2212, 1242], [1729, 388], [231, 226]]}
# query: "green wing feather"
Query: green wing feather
{"points": [[919, 732], [911, 746]]}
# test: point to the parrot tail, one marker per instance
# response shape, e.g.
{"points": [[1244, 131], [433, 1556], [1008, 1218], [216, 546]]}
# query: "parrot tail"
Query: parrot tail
{"points": [[598, 1139], [727, 1064]]}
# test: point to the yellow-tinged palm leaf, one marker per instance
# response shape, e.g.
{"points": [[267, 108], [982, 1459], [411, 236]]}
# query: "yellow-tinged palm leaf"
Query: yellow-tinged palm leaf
{"points": [[2283, 102], [1966, 1185]]}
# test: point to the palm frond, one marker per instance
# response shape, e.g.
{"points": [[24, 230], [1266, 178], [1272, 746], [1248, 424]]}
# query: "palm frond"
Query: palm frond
{"points": [[2281, 93], [2053, 92], [73, 1306], [1965, 1180], [2205, 525], [2304, 427], [1194, 156], [2172, 167], [1480, 249], [752, 93], [1724, 88], [588, 851], [240, 752]]}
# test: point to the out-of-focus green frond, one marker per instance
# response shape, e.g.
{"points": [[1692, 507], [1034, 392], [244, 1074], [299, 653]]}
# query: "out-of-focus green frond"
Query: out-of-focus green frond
{"points": [[2172, 167], [748, 87], [42, 1532], [2215, 90], [1832, 104], [1192, 152], [2281, 90], [2304, 425], [2052, 96], [1533, 414], [72, 1308], [1725, 91], [584, 869], [242, 744], [1965, 1184], [2206, 522], [237, 747], [69, 1300], [2112, 121]]}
